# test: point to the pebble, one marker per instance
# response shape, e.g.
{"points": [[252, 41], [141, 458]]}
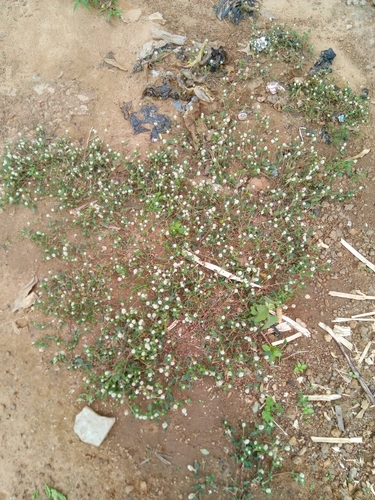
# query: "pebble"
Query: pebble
{"points": [[129, 489], [293, 441], [297, 460], [143, 486], [336, 433]]}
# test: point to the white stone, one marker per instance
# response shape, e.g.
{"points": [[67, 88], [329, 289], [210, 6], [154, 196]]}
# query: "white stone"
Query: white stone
{"points": [[91, 428]]}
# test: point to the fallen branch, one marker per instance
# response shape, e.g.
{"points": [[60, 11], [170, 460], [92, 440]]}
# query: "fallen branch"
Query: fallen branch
{"points": [[358, 255], [350, 362]]}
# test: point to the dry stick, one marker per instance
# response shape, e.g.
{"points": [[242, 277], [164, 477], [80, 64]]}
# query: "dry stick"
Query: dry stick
{"points": [[358, 255], [352, 296], [351, 364]]}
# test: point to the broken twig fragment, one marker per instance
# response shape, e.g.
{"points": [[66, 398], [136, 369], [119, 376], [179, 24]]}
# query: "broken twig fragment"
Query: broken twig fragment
{"points": [[360, 296], [350, 362], [217, 269], [332, 440], [358, 255], [340, 420], [323, 397]]}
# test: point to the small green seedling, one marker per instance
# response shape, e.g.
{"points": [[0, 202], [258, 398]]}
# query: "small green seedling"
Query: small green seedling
{"points": [[53, 494], [300, 367], [272, 352], [303, 403], [299, 477]]}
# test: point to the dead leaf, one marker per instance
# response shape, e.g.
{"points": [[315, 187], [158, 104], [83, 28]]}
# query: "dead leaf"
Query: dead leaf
{"points": [[25, 299], [360, 155], [114, 63]]}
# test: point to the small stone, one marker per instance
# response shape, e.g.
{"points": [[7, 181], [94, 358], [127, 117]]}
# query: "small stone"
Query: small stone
{"points": [[302, 451], [143, 486], [352, 473], [297, 460], [353, 325], [336, 433], [129, 489], [92, 428], [327, 463], [293, 441], [255, 407]]}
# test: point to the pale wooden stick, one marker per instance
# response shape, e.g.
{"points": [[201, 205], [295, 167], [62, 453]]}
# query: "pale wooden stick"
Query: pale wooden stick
{"points": [[358, 255], [295, 325], [351, 296], [364, 354], [338, 338], [363, 315], [351, 364], [323, 397], [332, 440], [217, 269], [287, 339]]}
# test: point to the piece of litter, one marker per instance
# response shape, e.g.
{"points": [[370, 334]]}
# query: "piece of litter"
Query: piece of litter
{"points": [[273, 87], [324, 62], [242, 116], [358, 255], [168, 37], [260, 43], [318, 439], [323, 397], [217, 269], [202, 95], [156, 17], [161, 123], [25, 299], [235, 10]]}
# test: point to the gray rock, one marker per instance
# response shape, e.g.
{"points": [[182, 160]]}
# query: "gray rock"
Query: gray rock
{"points": [[92, 428]]}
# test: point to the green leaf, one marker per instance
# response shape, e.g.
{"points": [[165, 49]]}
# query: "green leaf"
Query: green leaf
{"points": [[262, 314], [272, 320], [204, 451]]}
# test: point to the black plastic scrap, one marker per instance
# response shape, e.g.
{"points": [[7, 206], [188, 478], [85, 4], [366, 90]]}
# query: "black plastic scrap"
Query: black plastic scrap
{"points": [[235, 10], [161, 123], [324, 62], [162, 91], [215, 59], [152, 57]]}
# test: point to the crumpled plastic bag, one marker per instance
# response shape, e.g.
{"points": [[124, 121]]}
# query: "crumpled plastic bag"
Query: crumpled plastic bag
{"points": [[162, 91], [235, 10], [161, 123], [324, 62]]}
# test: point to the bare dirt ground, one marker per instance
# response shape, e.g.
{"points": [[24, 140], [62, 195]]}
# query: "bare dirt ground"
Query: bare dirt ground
{"points": [[51, 73]]}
